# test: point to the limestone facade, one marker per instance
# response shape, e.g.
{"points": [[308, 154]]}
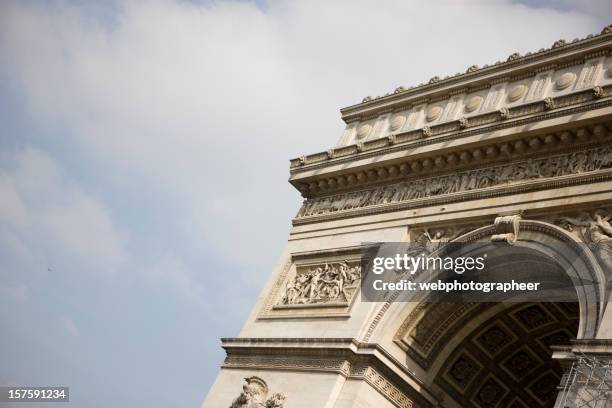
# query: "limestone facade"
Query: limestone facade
{"points": [[520, 151]]}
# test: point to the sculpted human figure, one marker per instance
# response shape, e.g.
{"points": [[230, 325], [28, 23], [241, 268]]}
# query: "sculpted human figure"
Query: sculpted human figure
{"points": [[601, 232], [291, 294], [253, 395], [387, 194], [532, 169], [548, 168], [487, 178], [276, 401], [580, 162], [435, 241], [563, 163], [365, 199], [314, 284], [453, 183], [321, 284], [418, 189], [605, 157], [465, 181], [352, 201], [337, 202], [303, 287], [506, 174], [592, 227], [472, 181]]}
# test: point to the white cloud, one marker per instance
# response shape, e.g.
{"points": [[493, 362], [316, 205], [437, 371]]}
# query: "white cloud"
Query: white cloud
{"points": [[206, 103], [181, 118], [45, 209], [50, 223]]}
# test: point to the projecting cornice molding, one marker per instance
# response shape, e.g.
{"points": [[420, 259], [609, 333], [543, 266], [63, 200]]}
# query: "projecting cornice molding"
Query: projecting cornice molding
{"points": [[453, 160], [591, 99], [343, 356]]}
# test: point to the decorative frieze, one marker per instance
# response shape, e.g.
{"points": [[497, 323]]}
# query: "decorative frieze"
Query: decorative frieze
{"points": [[543, 168], [445, 161]]}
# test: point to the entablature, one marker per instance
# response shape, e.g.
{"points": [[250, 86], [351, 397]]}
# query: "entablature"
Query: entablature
{"points": [[347, 357], [331, 171], [561, 83], [450, 154]]}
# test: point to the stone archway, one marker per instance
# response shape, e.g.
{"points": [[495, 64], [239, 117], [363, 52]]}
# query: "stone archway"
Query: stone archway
{"points": [[505, 361], [498, 355], [572, 256]]}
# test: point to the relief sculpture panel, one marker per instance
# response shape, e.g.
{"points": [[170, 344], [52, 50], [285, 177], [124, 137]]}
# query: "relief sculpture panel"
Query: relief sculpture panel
{"points": [[328, 283], [323, 286], [595, 229]]}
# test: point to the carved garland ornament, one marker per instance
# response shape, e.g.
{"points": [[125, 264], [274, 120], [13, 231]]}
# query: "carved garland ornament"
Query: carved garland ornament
{"points": [[574, 163]]}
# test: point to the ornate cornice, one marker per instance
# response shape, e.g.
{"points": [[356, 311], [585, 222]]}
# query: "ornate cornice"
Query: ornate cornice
{"points": [[343, 356], [570, 167], [564, 53], [453, 159], [504, 118]]}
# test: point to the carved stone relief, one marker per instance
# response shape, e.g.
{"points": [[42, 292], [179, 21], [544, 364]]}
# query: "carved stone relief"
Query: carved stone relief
{"points": [[364, 131], [473, 103], [564, 81], [593, 228], [590, 227], [429, 240], [433, 113], [328, 283], [493, 98], [517, 93], [348, 369], [537, 88], [589, 74], [255, 395], [397, 122], [574, 163]]}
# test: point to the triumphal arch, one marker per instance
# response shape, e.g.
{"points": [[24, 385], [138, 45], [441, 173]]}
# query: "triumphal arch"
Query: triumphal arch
{"points": [[517, 151]]}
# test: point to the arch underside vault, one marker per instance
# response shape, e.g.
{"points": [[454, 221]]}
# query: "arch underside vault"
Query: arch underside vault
{"points": [[504, 360], [499, 354]]}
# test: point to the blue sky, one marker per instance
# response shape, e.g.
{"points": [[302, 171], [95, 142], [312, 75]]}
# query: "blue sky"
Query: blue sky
{"points": [[144, 154]]}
